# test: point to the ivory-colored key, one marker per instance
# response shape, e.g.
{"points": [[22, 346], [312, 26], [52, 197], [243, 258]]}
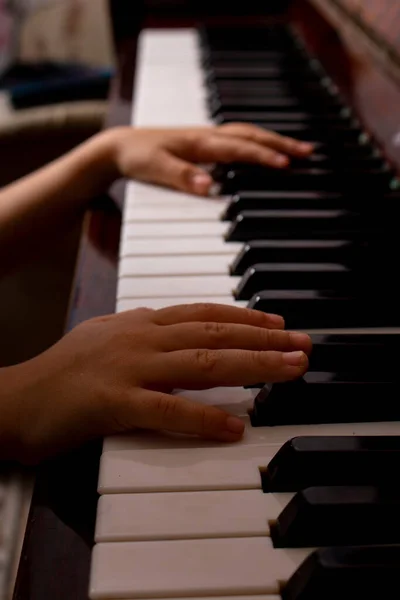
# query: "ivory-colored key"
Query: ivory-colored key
{"points": [[224, 468], [160, 266], [179, 246], [164, 287], [175, 569], [167, 213], [178, 229], [186, 515], [140, 195]]}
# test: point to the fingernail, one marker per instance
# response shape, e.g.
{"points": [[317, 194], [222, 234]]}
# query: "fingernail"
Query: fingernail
{"points": [[300, 339], [295, 359], [305, 147], [201, 183], [234, 425], [280, 160]]}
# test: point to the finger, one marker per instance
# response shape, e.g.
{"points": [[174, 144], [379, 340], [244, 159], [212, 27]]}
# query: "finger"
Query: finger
{"points": [[229, 149], [205, 368], [280, 143], [217, 335], [221, 313], [179, 174], [159, 411]]}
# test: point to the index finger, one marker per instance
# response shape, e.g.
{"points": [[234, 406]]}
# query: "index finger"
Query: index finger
{"points": [[219, 313]]}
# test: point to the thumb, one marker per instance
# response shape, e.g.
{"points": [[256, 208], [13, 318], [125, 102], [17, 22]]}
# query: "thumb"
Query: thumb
{"points": [[159, 411], [182, 175]]}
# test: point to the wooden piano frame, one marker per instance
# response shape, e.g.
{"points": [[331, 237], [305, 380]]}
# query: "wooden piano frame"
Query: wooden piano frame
{"points": [[56, 553]]}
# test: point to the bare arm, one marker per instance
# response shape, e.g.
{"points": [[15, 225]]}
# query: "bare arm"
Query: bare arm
{"points": [[46, 203]]}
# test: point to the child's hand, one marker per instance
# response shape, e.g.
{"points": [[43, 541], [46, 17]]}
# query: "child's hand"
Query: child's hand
{"points": [[169, 157], [116, 373]]}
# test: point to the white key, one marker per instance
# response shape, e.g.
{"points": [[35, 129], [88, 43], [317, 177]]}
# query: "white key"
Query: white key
{"points": [[165, 214], [177, 246], [139, 517], [164, 287], [224, 468], [160, 266], [182, 568], [141, 195], [176, 229], [157, 303]]}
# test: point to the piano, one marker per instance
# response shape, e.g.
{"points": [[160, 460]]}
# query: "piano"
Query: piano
{"points": [[306, 505]]}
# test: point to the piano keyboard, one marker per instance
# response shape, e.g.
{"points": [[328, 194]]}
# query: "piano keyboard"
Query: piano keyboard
{"points": [[273, 516]]}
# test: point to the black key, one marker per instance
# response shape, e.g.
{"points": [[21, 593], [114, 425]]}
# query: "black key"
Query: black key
{"points": [[346, 573], [299, 224], [307, 179], [293, 275], [339, 149], [332, 460], [259, 105], [277, 104], [311, 309], [261, 72], [252, 56], [303, 251], [253, 88], [326, 161], [224, 114], [313, 133], [354, 353], [269, 116], [240, 58], [327, 398], [339, 515], [282, 103], [278, 200]]}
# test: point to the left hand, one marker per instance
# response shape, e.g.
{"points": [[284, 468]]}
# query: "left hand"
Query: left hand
{"points": [[170, 157]]}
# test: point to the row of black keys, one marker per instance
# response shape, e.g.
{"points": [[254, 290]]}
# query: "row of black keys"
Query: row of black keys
{"points": [[290, 94], [321, 248], [345, 502], [350, 379]]}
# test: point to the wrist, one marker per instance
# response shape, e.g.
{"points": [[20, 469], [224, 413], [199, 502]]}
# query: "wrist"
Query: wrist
{"points": [[97, 158]]}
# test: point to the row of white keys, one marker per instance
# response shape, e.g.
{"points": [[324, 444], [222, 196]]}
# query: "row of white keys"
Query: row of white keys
{"points": [[172, 249], [201, 567]]}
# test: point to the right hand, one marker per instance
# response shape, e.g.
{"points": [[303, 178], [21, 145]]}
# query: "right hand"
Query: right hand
{"points": [[116, 373]]}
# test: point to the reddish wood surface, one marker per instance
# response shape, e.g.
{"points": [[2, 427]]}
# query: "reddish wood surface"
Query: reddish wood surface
{"points": [[56, 555], [383, 16]]}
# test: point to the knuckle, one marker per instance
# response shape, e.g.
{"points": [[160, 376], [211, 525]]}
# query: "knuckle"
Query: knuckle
{"points": [[207, 360], [202, 418], [205, 310], [185, 172], [166, 408], [142, 311], [215, 330], [259, 360], [239, 152]]}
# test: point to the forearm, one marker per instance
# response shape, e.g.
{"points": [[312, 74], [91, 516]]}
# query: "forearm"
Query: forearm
{"points": [[11, 408], [50, 200]]}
